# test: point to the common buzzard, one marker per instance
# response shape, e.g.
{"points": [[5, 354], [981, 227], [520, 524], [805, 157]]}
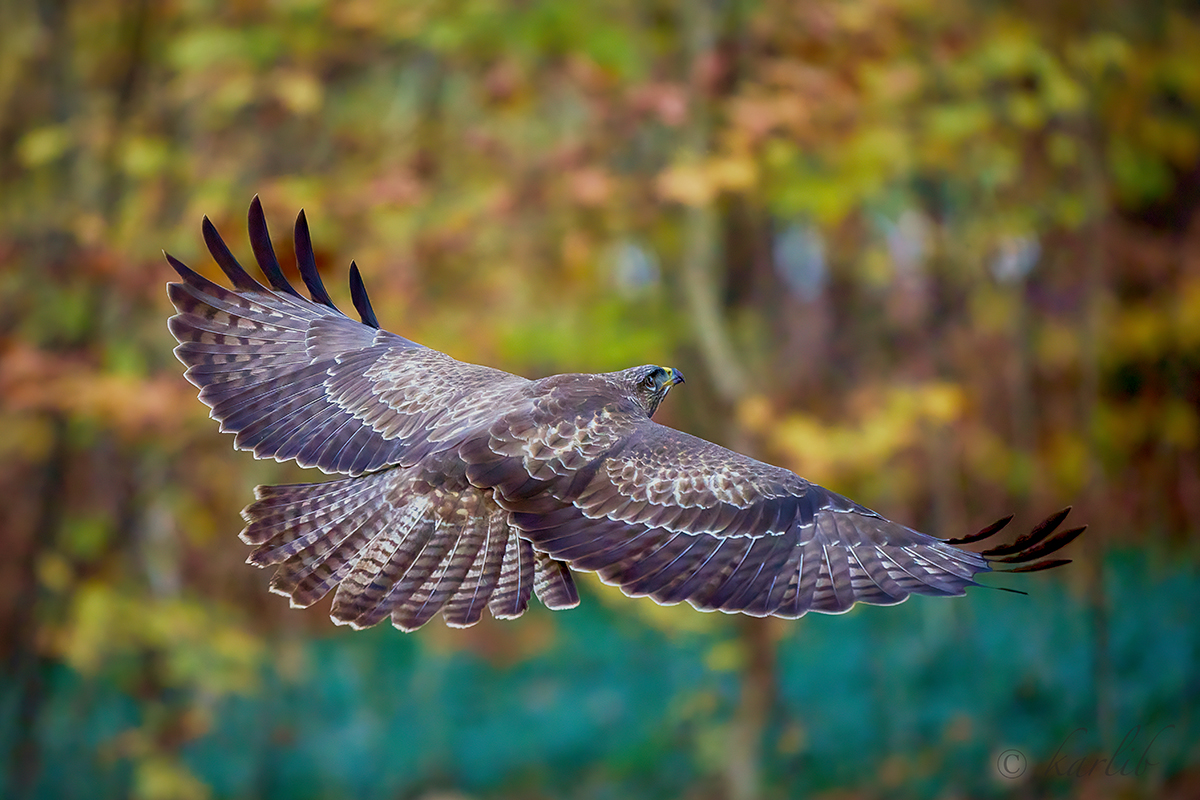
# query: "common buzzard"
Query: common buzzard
{"points": [[463, 487]]}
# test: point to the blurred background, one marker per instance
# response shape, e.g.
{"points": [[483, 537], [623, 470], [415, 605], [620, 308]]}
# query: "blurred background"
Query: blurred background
{"points": [[941, 256]]}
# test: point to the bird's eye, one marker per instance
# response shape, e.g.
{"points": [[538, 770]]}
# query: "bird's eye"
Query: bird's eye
{"points": [[649, 382]]}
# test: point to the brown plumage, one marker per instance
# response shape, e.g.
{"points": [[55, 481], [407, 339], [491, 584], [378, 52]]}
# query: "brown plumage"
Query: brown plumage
{"points": [[465, 488]]}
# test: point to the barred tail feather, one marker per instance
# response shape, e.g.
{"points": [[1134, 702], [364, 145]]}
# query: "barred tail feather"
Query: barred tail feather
{"points": [[511, 597], [466, 607], [392, 546], [552, 583]]}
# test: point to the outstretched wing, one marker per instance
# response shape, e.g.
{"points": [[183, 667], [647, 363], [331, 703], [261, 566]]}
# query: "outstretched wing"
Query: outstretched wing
{"points": [[295, 378], [576, 466], [664, 514]]}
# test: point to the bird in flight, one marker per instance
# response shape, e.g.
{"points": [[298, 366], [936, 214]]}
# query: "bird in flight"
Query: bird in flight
{"points": [[462, 488]]}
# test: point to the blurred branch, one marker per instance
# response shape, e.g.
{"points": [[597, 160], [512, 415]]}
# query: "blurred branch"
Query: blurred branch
{"points": [[701, 286], [1095, 272], [701, 226], [27, 665], [700, 257], [758, 692]]}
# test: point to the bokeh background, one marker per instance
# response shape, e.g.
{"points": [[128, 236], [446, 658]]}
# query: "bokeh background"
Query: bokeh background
{"points": [[942, 256]]}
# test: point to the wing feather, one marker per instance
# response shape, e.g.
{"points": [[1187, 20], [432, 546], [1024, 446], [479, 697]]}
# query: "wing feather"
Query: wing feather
{"points": [[306, 262], [264, 252], [297, 379], [658, 512]]}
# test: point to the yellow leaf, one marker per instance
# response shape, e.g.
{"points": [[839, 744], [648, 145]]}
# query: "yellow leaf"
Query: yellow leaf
{"points": [[689, 184], [734, 174], [145, 156], [725, 656], [943, 402], [54, 572], [161, 777], [43, 145], [299, 91], [1068, 460]]}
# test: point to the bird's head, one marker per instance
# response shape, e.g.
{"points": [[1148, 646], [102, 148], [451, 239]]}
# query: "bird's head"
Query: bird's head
{"points": [[649, 384]]}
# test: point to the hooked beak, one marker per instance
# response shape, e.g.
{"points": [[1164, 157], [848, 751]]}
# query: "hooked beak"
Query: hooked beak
{"points": [[676, 377]]}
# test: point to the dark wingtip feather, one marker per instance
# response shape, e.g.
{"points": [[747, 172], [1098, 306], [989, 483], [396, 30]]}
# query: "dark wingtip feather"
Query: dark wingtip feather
{"points": [[306, 260], [1044, 548], [1040, 531], [990, 530], [1003, 588], [183, 269], [225, 260], [264, 253], [1039, 566], [189, 275], [358, 293]]}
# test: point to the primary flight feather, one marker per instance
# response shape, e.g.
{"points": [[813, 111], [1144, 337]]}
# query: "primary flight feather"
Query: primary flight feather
{"points": [[466, 488]]}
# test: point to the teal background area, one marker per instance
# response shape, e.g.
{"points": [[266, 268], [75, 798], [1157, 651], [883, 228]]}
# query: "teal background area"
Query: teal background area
{"points": [[911, 701]]}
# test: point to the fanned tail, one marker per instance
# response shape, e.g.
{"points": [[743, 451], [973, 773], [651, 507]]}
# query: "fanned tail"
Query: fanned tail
{"points": [[393, 546]]}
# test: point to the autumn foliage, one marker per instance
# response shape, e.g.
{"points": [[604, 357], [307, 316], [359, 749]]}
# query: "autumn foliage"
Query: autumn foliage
{"points": [[941, 256]]}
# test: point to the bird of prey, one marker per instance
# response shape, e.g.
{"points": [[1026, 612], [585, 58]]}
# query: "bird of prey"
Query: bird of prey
{"points": [[463, 488]]}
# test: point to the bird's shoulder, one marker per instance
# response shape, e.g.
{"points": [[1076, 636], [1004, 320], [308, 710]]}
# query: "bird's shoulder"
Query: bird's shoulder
{"points": [[425, 371], [572, 420], [586, 401]]}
